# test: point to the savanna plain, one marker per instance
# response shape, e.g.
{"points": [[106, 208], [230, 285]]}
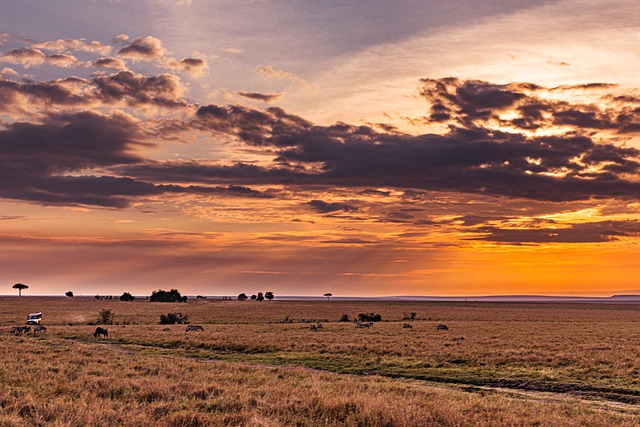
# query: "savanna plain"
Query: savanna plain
{"points": [[261, 364]]}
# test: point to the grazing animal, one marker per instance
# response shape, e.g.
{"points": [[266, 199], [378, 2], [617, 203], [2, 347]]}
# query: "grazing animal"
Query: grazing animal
{"points": [[406, 326], [38, 328], [319, 326], [313, 327], [442, 328], [364, 325], [20, 330], [101, 331], [194, 328]]}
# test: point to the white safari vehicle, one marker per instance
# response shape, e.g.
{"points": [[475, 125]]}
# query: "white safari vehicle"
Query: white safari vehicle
{"points": [[34, 318]]}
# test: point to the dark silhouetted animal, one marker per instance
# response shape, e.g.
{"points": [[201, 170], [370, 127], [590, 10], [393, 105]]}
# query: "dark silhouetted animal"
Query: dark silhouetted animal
{"points": [[313, 327], [194, 328], [407, 326], [363, 325], [442, 328], [101, 331], [39, 328], [20, 330]]}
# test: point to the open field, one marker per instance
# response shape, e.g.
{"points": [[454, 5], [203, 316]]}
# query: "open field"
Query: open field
{"points": [[498, 364]]}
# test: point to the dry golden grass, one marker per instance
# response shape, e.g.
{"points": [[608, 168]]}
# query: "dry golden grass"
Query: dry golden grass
{"points": [[247, 369]]}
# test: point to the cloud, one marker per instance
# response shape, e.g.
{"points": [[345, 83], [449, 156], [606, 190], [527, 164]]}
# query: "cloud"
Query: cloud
{"points": [[28, 57], [525, 106], [151, 49], [471, 157], [163, 90], [143, 48], [110, 62], [264, 97], [6, 71], [269, 72], [194, 66], [591, 232], [328, 207], [74, 45]]}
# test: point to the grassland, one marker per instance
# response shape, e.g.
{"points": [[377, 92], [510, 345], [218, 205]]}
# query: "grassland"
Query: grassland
{"points": [[498, 364]]}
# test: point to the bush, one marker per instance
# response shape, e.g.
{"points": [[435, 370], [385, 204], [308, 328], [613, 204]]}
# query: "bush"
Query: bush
{"points": [[164, 296], [345, 318], [105, 317], [127, 297], [69, 294], [173, 318], [242, 297], [369, 317]]}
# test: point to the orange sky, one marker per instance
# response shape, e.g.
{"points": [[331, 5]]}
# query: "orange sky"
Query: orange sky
{"points": [[438, 151]]}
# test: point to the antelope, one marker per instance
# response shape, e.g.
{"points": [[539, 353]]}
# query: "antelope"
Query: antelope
{"points": [[194, 328]]}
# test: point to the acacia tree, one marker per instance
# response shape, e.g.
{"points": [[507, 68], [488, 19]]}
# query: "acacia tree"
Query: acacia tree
{"points": [[20, 287], [328, 295], [268, 295]]}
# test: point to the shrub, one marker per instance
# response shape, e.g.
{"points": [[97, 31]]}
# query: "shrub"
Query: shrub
{"points": [[164, 296], [105, 317], [127, 297], [173, 318], [344, 318], [69, 294], [369, 317], [242, 297]]}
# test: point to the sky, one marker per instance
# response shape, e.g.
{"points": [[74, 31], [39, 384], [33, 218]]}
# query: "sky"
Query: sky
{"points": [[361, 148]]}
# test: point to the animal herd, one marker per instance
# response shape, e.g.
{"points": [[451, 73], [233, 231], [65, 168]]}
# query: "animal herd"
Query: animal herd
{"points": [[22, 330], [104, 332]]}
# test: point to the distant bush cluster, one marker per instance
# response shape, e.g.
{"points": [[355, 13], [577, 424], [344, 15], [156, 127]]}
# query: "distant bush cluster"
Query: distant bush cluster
{"points": [[369, 317], [163, 296], [127, 297], [173, 318], [259, 297]]}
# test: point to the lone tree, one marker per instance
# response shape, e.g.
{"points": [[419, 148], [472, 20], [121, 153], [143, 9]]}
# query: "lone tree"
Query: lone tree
{"points": [[328, 295], [20, 287], [268, 295], [242, 297], [69, 294]]}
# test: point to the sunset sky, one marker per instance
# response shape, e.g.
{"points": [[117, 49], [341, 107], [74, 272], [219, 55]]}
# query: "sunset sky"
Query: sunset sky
{"points": [[362, 148]]}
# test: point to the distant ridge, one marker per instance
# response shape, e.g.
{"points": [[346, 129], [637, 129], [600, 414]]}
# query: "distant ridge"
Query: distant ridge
{"points": [[491, 298]]}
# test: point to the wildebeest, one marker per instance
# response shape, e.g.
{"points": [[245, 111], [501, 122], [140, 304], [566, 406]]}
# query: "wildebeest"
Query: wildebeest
{"points": [[38, 328], [442, 328], [20, 330], [363, 325], [406, 326], [194, 328], [101, 331]]}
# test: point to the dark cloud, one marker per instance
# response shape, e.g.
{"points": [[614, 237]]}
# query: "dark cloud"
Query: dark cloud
{"points": [[163, 89], [143, 48], [328, 207], [264, 97], [110, 62], [477, 104], [591, 232], [469, 159]]}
